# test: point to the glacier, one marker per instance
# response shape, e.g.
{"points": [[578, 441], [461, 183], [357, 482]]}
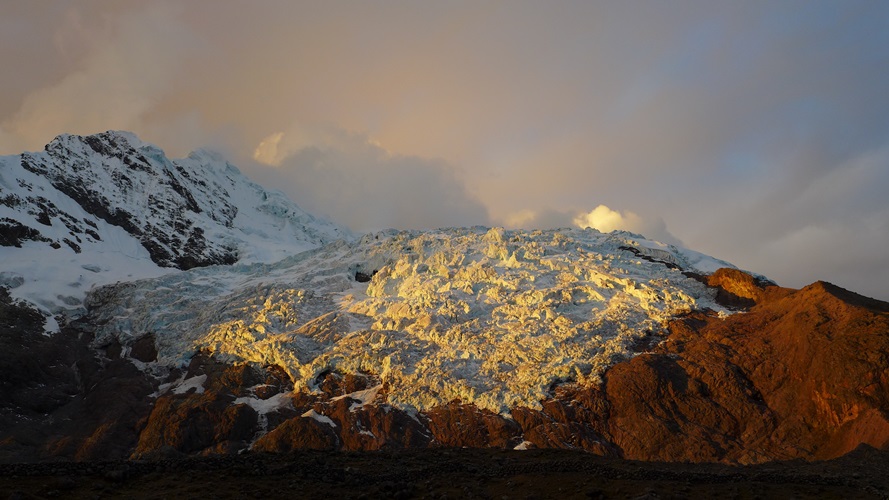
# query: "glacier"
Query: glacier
{"points": [[487, 316], [193, 254]]}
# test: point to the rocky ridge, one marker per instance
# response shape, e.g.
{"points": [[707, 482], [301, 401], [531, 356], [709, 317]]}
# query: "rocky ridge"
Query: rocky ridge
{"points": [[91, 210]]}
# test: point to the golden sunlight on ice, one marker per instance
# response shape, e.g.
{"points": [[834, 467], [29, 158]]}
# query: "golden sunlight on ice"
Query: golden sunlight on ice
{"points": [[487, 316]]}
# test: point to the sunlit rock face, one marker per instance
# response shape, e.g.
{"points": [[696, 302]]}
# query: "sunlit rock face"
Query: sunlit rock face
{"points": [[487, 316]]}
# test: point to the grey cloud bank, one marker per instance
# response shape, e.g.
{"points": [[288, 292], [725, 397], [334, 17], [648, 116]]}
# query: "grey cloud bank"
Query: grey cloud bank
{"points": [[757, 132]]}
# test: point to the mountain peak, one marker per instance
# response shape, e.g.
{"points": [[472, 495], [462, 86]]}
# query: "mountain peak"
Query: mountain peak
{"points": [[208, 156], [827, 290], [110, 142], [114, 205]]}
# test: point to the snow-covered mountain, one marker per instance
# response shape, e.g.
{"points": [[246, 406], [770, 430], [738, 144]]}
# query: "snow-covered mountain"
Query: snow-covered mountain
{"points": [[487, 316], [204, 315], [108, 207]]}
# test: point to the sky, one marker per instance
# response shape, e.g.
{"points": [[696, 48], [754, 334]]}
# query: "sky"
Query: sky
{"points": [[755, 131]]}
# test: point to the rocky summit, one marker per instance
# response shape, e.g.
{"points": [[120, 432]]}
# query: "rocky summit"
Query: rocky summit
{"points": [[233, 322]]}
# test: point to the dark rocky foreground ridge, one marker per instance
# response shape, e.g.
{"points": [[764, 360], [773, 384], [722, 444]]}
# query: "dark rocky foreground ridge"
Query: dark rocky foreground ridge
{"points": [[446, 473], [800, 375]]}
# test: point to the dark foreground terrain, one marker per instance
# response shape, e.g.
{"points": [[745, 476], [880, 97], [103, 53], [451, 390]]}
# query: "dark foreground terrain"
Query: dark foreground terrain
{"points": [[446, 473]]}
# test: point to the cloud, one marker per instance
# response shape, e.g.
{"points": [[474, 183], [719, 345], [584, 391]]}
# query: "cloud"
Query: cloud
{"points": [[606, 220], [353, 180], [538, 219], [601, 218], [848, 253], [267, 152], [832, 226], [130, 64]]}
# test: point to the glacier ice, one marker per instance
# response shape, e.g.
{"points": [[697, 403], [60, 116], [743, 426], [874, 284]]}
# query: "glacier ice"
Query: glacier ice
{"points": [[488, 316]]}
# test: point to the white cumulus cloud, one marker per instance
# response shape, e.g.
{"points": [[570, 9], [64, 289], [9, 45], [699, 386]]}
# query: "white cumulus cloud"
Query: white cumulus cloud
{"points": [[606, 220], [602, 218]]}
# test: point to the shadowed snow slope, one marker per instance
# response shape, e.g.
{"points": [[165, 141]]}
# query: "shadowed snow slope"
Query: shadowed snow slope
{"points": [[109, 207], [487, 316]]}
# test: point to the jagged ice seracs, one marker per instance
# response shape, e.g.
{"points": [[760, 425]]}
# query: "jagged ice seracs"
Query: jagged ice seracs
{"points": [[492, 317]]}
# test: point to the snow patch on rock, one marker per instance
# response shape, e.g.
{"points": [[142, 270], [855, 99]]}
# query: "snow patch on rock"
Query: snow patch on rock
{"points": [[324, 419], [195, 384], [362, 398], [264, 406], [524, 445]]}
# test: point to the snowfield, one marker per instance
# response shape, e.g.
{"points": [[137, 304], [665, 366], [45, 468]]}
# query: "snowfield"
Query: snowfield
{"points": [[488, 316]]}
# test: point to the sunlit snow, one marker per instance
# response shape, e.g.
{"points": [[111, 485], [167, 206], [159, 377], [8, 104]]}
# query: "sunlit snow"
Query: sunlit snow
{"points": [[488, 316]]}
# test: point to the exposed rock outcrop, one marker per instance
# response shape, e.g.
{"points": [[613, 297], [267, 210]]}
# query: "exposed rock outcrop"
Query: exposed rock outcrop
{"points": [[801, 375], [458, 425], [298, 434], [59, 399], [210, 409]]}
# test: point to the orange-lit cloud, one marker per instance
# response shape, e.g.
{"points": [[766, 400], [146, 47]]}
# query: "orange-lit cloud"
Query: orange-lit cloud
{"points": [[127, 69], [269, 151], [601, 218]]}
